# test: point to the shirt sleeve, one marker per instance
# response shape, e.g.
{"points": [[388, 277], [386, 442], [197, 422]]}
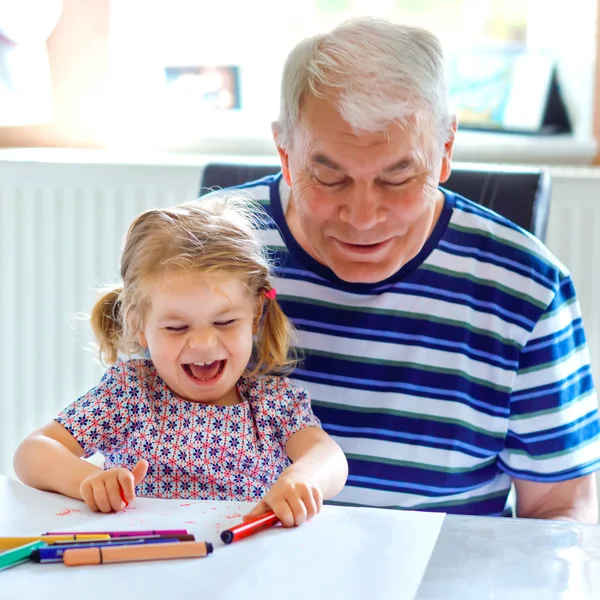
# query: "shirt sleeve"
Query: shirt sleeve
{"points": [[99, 420], [553, 430], [290, 409]]}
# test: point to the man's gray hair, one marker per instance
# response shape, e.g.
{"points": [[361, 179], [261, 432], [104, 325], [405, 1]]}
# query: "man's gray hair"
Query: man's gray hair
{"points": [[379, 72]]}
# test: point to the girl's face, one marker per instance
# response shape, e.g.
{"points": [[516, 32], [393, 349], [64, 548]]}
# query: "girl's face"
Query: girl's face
{"points": [[199, 331]]}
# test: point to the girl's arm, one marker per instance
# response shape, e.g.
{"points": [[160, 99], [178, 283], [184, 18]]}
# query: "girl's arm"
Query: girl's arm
{"points": [[50, 459], [314, 453], [318, 472]]}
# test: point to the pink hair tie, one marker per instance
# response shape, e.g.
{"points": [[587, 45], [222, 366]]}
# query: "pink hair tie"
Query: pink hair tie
{"points": [[271, 294]]}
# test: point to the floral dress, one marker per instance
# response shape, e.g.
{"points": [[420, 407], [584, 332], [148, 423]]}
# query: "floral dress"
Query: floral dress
{"points": [[194, 450]]}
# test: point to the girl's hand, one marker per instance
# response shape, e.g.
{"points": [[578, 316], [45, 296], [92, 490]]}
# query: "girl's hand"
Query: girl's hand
{"points": [[114, 489], [294, 498]]}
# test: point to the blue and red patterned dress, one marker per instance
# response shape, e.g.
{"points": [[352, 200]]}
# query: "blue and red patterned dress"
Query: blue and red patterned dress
{"points": [[195, 450]]}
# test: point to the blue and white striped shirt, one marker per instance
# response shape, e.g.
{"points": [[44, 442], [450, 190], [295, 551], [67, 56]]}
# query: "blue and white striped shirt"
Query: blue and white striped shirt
{"points": [[466, 368]]}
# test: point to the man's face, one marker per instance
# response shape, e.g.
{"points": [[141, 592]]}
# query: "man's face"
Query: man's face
{"points": [[365, 204]]}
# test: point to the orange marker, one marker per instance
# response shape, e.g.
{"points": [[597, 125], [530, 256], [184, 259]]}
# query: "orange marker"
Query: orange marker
{"points": [[119, 554]]}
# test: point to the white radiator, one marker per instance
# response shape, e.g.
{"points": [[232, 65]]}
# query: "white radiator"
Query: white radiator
{"points": [[573, 237], [61, 231]]}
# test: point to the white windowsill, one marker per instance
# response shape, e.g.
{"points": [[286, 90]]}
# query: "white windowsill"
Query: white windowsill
{"points": [[474, 146], [470, 147]]}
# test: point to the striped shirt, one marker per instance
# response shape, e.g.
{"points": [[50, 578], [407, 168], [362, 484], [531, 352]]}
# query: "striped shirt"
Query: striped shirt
{"points": [[466, 368]]}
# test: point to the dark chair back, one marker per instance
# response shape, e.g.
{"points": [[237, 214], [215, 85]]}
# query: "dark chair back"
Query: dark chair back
{"points": [[521, 194]]}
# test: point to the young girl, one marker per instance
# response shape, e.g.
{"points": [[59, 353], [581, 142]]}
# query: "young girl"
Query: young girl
{"points": [[204, 417]]}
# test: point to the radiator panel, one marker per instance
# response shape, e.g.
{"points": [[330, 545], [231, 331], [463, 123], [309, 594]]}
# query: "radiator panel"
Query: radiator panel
{"points": [[61, 233]]}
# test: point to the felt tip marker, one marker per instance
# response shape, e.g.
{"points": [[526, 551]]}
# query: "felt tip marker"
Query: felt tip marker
{"points": [[54, 554], [141, 552], [239, 532], [13, 542], [114, 534], [131, 538], [123, 497], [16, 556]]}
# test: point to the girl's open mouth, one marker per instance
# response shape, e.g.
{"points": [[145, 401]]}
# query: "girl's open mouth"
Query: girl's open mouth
{"points": [[205, 372]]}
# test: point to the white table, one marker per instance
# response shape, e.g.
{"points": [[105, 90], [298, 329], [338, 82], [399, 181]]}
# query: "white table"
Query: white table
{"points": [[343, 553], [481, 558]]}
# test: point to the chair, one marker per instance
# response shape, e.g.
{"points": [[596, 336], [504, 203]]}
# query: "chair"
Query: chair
{"points": [[521, 194]]}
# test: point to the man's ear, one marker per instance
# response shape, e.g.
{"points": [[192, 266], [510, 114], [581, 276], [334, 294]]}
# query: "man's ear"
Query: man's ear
{"points": [[283, 155], [446, 167]]}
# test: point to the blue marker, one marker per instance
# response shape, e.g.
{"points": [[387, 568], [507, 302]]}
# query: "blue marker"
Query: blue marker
{"points": [[54, 553]]}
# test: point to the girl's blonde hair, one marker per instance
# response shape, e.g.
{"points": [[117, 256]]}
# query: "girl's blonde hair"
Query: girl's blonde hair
{"points": [[215, 235]]}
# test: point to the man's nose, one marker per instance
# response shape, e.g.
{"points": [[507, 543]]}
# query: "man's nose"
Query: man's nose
{"points": [[362, 208]]}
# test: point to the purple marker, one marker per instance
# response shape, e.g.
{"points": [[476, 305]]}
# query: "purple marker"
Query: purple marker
{"points": [[162, 532], [132, 538]]}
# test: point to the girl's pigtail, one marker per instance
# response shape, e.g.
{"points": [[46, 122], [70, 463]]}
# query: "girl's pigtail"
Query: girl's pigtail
{"points": [[106, 324], [273, 347]]}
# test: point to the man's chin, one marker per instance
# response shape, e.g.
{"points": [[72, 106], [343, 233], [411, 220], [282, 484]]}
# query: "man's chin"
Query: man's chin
{"points": [[367, 273]]}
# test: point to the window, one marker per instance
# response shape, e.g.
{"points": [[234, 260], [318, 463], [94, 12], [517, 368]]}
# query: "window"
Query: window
{"points": [[178, 66]]}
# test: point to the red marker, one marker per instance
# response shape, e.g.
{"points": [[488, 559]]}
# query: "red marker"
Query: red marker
{"points": [[123, 497], [239, 532]]}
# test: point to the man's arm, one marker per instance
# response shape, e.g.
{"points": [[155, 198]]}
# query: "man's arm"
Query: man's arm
{"points": [[552, 446], [571, 500]]}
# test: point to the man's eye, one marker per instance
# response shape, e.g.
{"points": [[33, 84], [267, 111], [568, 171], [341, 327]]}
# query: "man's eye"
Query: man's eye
{"points": [[225, 323], [396, 183], [330, 183], [179, 328]]}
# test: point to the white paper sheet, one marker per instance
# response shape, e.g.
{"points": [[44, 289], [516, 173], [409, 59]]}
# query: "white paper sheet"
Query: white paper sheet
{"points": [[343, 553]]}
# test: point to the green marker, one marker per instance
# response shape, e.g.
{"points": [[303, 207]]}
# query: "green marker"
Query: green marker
{"points": [[16, 556]]}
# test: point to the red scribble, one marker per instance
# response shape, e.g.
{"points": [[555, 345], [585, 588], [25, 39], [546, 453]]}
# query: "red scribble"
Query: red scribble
{"points": [[191, 522], [67, 511], [234, 516], [213, 509], [189, 504]]}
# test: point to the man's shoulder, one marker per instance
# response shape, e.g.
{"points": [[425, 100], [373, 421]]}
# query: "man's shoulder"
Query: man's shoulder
{"points": [[492, 236], [259, 194]]}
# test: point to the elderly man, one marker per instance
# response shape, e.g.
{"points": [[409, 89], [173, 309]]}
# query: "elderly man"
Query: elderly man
{"points": [[443, 345]]}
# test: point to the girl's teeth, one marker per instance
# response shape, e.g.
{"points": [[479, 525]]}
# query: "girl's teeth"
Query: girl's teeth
{"points": [[199, 364]]}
